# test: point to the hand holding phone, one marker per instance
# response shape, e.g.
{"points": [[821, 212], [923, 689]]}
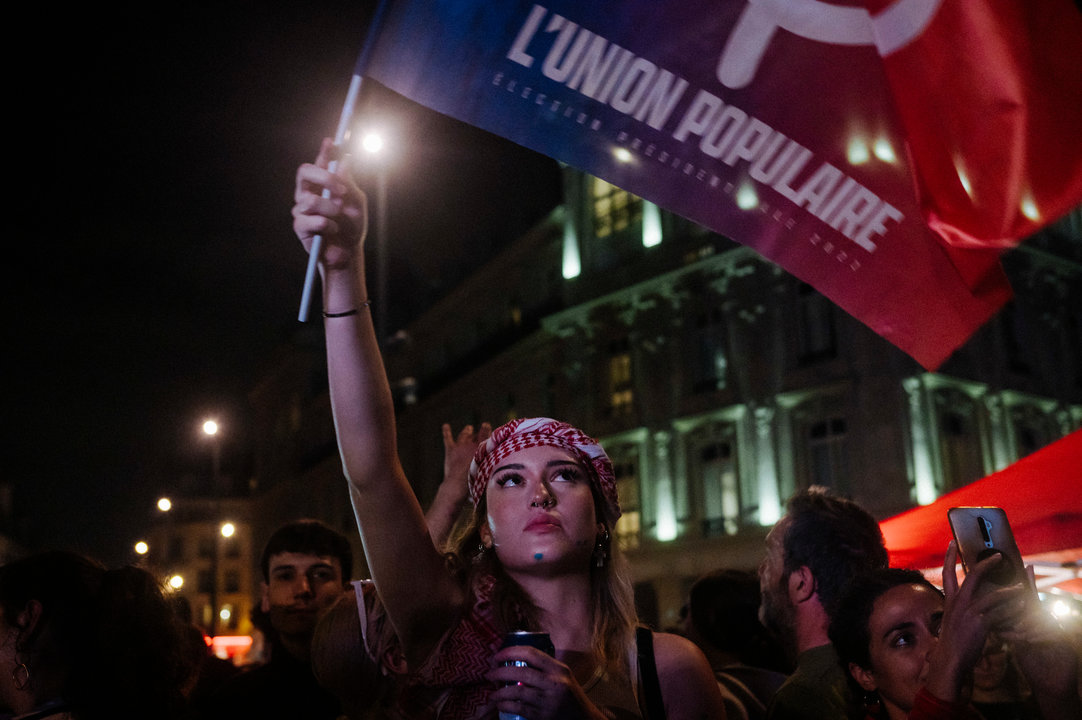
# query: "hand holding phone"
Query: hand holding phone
{"points": [[984, 531]]}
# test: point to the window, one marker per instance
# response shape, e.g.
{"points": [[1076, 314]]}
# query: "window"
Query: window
{"points": [[959, 438], [815, 333], [615, 210], [232, 581], [720, 490], [614, 235], [715, 478], [820, 432], [828, 454], [710, 356], [621, 393], [205, 582], [207, 546], [1032, 429]]}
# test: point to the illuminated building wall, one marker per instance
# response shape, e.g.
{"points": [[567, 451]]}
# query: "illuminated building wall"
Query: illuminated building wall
{"points": [[720, 384], [211, 573]]}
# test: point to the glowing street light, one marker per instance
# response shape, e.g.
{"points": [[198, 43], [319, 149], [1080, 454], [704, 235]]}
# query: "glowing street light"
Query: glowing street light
{"points": [[212, 430], [176, 582], [228, 529], [372, 142], [142, 548], [165, 504]]}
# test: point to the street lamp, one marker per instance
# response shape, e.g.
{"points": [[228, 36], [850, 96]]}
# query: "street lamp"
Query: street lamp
{"points": [[142, 548], [211, 429], [374, 143], [165, 504], [225, 530]]}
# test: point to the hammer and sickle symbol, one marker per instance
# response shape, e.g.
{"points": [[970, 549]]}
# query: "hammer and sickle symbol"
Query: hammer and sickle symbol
{"points": [[889, 30]]}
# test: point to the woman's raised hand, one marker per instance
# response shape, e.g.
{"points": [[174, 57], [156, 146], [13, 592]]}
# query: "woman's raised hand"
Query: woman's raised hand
{"points": [[328, 203], [971, 609]]}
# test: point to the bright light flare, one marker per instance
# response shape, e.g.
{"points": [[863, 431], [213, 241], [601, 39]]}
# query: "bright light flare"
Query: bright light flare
{"points": [[884, 150], [1029, 209], [165, 504], [142, 548], [1061, 609], [176, 582], [857, 152], [747, 198], [228, 529], [651, 225], [210, 427], [372, 142]]}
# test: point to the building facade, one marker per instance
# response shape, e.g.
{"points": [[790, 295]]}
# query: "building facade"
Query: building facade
{"points": [[202, 550], [720, 384]]}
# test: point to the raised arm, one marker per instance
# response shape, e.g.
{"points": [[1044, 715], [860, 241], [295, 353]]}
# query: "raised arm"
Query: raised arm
{"points": [[970, 611], [451, 494], [396, 541]]}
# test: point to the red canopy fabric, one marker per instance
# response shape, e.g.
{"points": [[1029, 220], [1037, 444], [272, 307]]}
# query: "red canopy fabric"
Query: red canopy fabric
{"points": [[1042, 494]]}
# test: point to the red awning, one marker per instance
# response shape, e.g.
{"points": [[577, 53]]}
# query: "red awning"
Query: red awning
{"points": [[1042, 494]]}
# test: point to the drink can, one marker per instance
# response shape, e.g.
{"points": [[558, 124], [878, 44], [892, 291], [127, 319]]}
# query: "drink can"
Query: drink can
{"points": [[539, 640]]}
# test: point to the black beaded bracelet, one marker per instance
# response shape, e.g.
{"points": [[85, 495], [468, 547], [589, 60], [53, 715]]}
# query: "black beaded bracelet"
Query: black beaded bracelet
{"points": [[347, 313]]}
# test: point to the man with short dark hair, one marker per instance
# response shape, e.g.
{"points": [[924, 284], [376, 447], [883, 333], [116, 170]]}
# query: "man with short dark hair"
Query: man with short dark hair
{"points": [[306, 568], [811, 554]]}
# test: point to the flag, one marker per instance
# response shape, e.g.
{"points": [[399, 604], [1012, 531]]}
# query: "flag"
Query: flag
{"points": [[767, 121], [990, 100]]}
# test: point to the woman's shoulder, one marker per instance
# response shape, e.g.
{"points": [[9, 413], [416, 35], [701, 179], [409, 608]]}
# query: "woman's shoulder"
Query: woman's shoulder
{"points": [[676, 651], [687, 682]]}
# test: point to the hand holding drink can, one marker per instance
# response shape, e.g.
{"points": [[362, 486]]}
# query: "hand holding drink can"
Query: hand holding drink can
{"points": [[539, 640]]}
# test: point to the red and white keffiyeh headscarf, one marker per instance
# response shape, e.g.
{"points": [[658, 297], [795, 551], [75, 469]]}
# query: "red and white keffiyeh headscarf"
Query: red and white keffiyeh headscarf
{"points": [[532, 432]]}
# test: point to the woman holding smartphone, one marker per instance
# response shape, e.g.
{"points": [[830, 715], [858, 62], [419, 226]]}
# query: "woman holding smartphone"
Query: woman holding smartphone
{"points": [[910, 649]]}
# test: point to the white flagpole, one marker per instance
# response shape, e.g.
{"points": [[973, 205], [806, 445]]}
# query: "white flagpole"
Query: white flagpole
{"points": [[340, 137]]}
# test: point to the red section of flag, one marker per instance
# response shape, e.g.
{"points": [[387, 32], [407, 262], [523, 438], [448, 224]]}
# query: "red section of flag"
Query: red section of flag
{"points": [[990, 97]]}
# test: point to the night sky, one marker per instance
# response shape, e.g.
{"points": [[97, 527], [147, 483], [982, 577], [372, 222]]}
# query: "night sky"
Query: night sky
{"points": [[155, 267]]}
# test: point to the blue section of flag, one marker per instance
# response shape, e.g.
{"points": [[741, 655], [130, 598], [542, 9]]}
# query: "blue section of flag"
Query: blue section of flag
{"points": [[800, 158]]}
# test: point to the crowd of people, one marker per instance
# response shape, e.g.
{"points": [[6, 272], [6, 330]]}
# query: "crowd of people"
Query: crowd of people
{"points": [[520, 538]]}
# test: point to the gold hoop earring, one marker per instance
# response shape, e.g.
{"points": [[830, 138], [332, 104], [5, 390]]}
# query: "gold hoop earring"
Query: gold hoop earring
{"points": [[21, 676]]}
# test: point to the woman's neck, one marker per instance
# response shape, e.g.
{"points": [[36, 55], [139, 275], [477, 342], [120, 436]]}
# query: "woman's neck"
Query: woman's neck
{"points": [[566, 606]]}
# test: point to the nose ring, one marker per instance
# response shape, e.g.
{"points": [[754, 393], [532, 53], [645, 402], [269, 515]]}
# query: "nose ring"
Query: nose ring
{"points": [[546, 503]]}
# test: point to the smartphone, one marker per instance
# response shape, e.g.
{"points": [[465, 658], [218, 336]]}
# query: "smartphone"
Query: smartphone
{"points": [[984, 531]]}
